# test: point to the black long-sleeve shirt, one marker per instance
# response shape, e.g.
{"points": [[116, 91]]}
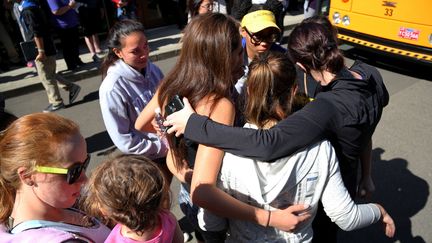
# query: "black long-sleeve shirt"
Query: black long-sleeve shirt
{"points": [[346, 112], [38, 25]]}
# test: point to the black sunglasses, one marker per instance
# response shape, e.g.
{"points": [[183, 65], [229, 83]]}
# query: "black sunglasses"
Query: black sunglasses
{"points": [[72, 173], [256, 40]]}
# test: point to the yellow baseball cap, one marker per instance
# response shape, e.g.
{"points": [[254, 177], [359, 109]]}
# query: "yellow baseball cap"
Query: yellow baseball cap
{"points": [[259, 20]]}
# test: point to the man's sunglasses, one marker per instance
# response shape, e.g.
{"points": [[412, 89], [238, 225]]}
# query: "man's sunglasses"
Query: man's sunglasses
{"points": [[257, 40], [72, 173]]}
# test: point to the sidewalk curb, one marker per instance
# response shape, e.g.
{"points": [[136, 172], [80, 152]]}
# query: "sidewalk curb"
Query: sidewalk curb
{"points": [[74, 77], [94, 71]]}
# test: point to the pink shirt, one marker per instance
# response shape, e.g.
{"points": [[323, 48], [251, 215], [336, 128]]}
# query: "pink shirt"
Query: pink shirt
{"points": [[169, 224]]}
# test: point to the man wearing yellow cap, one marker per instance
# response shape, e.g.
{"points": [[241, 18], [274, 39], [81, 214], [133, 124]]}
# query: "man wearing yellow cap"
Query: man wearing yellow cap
{"points": [[259, 31]]}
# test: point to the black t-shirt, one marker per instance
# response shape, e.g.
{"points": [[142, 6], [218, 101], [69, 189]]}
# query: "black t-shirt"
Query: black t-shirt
{"points": [[38, 25]]}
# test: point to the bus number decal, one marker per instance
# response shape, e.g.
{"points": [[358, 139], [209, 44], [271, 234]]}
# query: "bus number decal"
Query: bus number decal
{"points": [[388, 12]]}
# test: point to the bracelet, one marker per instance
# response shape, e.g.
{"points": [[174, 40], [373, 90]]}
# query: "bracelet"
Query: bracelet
{"points": [[268, 218], [41, 50]]}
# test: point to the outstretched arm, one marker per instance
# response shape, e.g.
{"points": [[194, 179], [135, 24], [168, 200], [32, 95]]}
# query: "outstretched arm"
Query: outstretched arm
{"points": [[304, 127], [206, 194], [339, 206]]}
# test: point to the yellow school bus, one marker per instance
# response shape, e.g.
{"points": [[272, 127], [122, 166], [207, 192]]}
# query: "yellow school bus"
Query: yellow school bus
{"points": [[400, 27]]}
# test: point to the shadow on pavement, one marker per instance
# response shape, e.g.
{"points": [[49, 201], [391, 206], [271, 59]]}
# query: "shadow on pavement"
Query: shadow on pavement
{"points": [[87, 98], [100, 141], [6, 79], [402, 193], [88, 66]]}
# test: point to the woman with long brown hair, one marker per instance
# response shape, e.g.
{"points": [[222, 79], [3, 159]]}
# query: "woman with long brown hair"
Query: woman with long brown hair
{"points": [[346, 112], [209, 63]]}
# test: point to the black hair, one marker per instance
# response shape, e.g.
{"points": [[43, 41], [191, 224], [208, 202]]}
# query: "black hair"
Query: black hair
{"points": [[315, 47], [119, 31]]}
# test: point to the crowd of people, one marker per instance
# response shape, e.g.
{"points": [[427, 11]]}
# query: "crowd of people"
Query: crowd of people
{"points": [[259, 157]]}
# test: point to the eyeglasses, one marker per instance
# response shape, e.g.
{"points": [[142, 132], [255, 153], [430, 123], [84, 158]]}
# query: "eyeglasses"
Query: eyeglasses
{"points": [[72, 173], [257, 39], [208, 6]]}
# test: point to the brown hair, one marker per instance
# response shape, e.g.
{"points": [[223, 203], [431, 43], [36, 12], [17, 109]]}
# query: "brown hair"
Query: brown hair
{"points": [[315, 47], [325, 22], [270, 80], [204, 66], [120, 30], [29, 141], [130, 189]]}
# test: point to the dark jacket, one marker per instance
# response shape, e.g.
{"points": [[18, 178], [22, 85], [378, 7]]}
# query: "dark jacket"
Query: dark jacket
{"points": [[38, 25], [346, 112]]}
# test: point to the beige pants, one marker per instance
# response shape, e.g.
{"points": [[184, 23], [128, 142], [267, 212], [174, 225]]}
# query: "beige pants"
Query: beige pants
{"points": [[51, 80]]}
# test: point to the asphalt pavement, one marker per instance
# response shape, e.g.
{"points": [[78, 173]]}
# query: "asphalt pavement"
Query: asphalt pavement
{"points": [[401, 148], [164, 43]]}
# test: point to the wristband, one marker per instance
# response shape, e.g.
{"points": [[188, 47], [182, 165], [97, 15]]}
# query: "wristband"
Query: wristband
{"points": [[268, 218], [41, 50]]}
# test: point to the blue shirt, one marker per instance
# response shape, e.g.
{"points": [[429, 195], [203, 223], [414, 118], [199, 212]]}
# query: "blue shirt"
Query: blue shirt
{"points": [[67, 20]]}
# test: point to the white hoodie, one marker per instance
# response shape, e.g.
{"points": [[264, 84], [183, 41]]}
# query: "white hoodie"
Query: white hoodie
{"points": [[305, 177], [123, 95]]}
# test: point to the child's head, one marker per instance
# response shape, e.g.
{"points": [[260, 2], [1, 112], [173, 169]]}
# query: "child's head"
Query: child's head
{"points": [[129, 190], [126, 41], [271, 87]]}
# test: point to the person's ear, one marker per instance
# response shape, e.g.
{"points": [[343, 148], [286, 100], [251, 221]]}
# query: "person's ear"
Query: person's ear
{"points": [[25, 177], [243, 32], [118, 53]]}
